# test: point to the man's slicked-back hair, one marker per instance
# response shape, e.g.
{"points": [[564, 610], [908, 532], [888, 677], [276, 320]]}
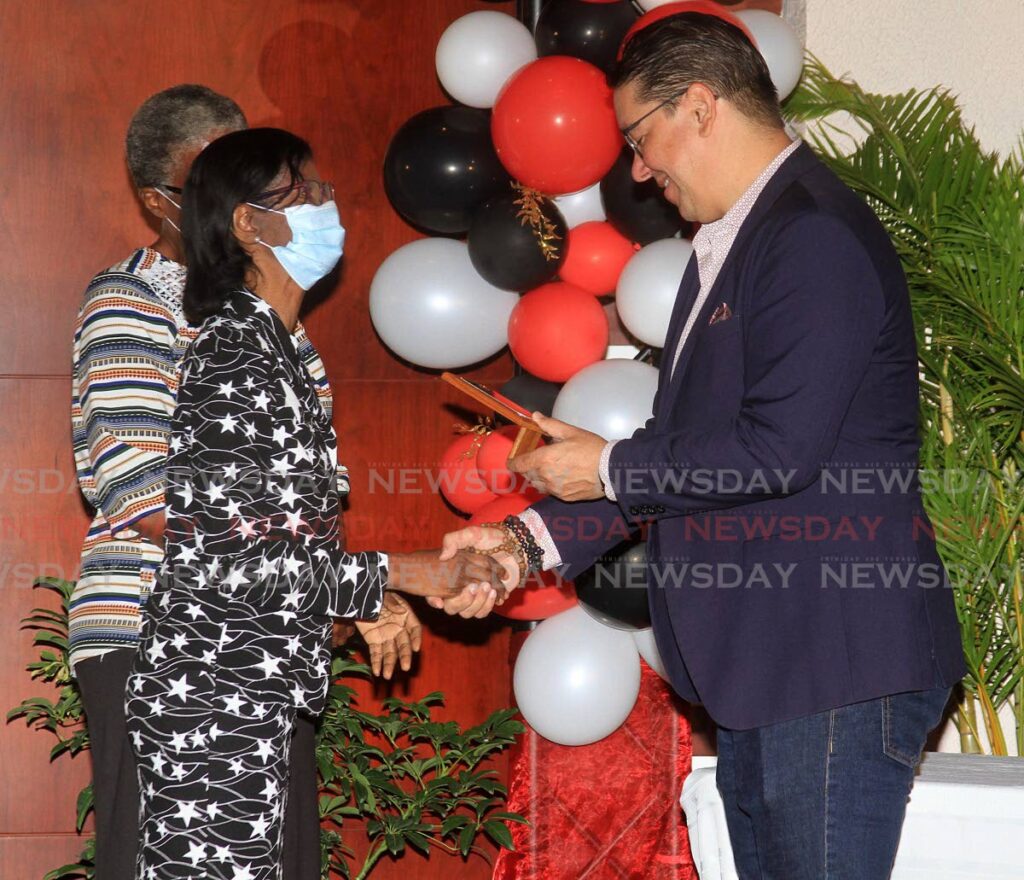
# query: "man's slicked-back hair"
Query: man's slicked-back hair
{"points": [[665, 58], [169, 123]]}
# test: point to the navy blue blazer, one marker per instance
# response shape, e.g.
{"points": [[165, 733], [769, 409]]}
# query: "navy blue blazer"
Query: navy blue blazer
{"points": [[792, 566]]}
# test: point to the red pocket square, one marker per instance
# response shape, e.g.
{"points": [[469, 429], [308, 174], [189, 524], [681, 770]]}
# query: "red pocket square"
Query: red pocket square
{"points": [[722, 313]]}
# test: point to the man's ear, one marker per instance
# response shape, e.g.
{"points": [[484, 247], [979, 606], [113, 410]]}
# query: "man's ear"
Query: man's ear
{"points": [[703, 104], [152, 201]]}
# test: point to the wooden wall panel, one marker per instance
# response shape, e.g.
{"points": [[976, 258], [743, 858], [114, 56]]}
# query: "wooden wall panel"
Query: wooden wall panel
{"points": [[41, 523], [344, 74]]}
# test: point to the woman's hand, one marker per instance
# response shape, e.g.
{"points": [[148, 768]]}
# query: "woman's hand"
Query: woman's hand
{"points": [[395, 635], [424, 573], [469, 604]]}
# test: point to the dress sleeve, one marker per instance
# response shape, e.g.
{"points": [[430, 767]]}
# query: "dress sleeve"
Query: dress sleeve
{"points": [[258, 494], [124, 364]]}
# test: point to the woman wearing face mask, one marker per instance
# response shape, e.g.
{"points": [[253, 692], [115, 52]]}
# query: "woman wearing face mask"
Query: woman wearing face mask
{"points": [[235, 641], [130, 337]]}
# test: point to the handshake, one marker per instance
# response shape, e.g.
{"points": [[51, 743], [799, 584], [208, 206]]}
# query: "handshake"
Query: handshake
{"points": [[476, 568]]}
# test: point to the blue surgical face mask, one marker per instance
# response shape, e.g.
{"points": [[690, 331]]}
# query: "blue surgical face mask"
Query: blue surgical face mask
{"points": [[317, 243]]}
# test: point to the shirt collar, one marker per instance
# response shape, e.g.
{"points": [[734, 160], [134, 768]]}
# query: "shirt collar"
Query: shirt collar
{"points": [[724, 230]]}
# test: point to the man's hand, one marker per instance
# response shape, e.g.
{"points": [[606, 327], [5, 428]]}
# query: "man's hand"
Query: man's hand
{"points": [[476, 603], [568, 466], [395, 635]]}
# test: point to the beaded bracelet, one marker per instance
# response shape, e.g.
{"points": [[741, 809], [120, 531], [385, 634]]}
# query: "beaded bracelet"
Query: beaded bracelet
{"points": [[534, 552], [511, 546]]}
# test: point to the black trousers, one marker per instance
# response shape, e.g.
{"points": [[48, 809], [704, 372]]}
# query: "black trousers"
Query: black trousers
{"points": [[102, 681]]}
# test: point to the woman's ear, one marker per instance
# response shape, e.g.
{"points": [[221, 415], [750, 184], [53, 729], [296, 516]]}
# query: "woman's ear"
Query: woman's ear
{"points": [[243, 225]]}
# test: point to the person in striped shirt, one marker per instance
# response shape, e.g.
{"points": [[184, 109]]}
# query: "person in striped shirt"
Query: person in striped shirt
{"points": [[129, 340]]}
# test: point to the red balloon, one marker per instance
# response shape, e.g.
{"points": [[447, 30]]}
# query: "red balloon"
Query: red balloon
{"points": [[460, 481], [705, 7], [492, 462], [543, 595], [595, 256], [554, 125], [556, 330], [538, 601], [497, 510]]}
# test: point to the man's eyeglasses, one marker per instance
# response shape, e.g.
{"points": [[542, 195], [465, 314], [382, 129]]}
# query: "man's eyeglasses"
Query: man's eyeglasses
{"points": [[634, 144], [307, 192]]}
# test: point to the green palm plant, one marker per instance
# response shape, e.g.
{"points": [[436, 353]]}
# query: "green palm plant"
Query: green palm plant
{"points": [[956, 215]]}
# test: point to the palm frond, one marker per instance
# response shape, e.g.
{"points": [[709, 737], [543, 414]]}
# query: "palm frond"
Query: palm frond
{"points": [[956, 216]]}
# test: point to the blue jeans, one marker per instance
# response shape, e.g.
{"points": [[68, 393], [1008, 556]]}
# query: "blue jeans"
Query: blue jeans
{"points": [[823, 797]]}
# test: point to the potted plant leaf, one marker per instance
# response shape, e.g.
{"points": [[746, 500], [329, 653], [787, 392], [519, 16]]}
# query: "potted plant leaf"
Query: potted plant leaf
{"points": [[956, 215]]}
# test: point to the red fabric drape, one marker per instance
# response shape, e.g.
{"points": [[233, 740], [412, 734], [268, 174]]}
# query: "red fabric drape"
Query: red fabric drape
{"points": [[607, 811]]}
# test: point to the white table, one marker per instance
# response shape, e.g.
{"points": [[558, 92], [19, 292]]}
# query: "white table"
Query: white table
{"points": [[965, 821]]}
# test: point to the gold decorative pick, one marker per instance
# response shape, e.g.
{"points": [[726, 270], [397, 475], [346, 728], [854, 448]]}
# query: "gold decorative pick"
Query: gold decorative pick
{"points": [[482, 428], [530, 212]]}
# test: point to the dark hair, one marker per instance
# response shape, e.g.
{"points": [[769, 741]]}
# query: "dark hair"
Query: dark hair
{"points": [[234, 169], [668, 56], [181, 118]]}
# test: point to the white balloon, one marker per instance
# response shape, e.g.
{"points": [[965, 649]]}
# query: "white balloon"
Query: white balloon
{"points": [[431, 307], [575, 680], [648, 286], [645, 644], [611, 398], [583, 206], [779, 46], [479, 52]]}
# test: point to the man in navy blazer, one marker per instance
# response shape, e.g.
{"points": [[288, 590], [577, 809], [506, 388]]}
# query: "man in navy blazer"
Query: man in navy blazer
{"points": [[794, 584]]}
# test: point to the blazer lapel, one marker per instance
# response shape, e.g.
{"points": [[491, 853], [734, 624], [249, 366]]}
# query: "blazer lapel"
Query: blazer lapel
{"points": [[802, 160], [689, 287]]}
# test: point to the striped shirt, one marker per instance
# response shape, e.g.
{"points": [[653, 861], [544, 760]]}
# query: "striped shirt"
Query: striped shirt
{"points": [[130, 338]]}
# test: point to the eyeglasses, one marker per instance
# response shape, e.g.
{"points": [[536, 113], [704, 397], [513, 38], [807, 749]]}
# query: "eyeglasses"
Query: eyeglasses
{"points": [[177, 190], [634, 144], [312, 192]]}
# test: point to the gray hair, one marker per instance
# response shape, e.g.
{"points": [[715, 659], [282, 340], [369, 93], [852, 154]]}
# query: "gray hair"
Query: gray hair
{"points": [[171, 122]]}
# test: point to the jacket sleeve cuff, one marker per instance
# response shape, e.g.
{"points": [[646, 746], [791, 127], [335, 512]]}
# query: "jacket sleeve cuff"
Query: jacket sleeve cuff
{"points": [[532, 520], [602, 470]]}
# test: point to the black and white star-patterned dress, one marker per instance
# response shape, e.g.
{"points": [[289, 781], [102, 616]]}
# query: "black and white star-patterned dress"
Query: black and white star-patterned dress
{"points": [[236, 638]]}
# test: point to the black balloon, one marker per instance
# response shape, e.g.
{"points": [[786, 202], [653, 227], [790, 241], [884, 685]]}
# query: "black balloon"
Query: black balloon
{"points": [[440, 165], [591, 31], [517, 240], [531, 393], [614, 591], [638, 210]]}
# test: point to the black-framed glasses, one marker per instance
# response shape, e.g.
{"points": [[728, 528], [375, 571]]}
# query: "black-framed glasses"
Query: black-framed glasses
{"points": [[311, 192], [635, 145]]}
